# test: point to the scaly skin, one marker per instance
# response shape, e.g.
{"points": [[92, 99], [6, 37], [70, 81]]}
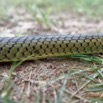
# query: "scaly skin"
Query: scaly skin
{"points": [[37, 47]]}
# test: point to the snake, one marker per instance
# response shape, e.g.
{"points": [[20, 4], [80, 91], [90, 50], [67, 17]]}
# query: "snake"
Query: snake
{"points": [[44, 46]]}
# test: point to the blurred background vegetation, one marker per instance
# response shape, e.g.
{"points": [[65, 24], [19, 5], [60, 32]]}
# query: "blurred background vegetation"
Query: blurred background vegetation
{"points": [[91, 7], [42, 9]]}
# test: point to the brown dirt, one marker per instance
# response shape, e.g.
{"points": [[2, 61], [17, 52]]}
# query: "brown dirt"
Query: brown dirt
{"points": [[37, 78]]}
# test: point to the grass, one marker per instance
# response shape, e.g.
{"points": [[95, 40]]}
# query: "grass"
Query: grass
{"points": [[96, 87], [80, 5], [41, 11], [89, 58], [9, 84]]}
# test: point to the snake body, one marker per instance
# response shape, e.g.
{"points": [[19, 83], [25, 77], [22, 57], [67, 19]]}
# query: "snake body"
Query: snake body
{"points": [[37, 47]]}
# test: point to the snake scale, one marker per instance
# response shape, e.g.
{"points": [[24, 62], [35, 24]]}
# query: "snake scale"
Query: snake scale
{"points": [[43, 46]]}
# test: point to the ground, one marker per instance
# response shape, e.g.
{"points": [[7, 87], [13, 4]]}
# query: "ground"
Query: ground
{"points": [[51, 80]]}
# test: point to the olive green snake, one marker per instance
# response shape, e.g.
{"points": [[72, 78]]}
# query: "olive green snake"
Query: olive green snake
{"points": [[44, 46]]}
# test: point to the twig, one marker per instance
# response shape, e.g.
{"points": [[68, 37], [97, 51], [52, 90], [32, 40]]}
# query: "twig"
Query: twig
{"points": [[77, 96], [94, 76]]}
